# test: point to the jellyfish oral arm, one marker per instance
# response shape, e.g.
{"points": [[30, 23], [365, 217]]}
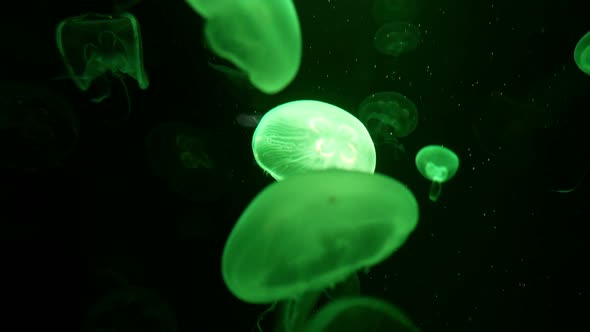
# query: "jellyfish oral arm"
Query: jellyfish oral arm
{"points": [[435, 190]]}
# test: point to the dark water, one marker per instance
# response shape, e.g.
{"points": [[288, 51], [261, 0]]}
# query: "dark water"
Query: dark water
{"points": [[493, 80]]}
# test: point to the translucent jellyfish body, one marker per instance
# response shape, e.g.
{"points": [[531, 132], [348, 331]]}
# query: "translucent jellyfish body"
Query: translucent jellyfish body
{"points": [[260, 37], [397, 38], [360, 314], [582, 53], [309, 232], [340, 222], [93, 45], [178, 154], [438, 164], [38, 128], [306, 135]]}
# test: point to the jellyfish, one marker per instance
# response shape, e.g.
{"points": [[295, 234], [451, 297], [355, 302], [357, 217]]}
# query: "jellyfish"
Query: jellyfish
{"points": [[438, 164], [582, 53], [389, 116], [96, 47], [38, 128], [310, 232], [392, 10], [396, 38], [360, 314], [179, 156], [305, 135], [351, 286], [260, 37], [130, 308]]}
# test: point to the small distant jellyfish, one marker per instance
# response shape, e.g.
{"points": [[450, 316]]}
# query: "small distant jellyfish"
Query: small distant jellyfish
{"points": [[389, 116], [306, 135], [179, 156], [438, 164], [96, 47], [38, 128], [582, 53], [397, 38]]}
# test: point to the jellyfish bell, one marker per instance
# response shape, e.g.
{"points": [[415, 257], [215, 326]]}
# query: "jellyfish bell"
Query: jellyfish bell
{"points": [[285, 249], [306, 135]]}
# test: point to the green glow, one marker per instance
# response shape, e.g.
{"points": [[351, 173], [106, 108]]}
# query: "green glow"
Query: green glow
{"points": [[261, 37], [305, 135], [93, 45], [385, 11], [397, 38], [438, 164], [582, 53], [339, 223], [356, 314], [388, 114]]}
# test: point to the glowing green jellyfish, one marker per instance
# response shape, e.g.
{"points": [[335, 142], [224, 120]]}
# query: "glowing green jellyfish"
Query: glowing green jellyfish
{"points": [[178, 155], [389, 116], [94, 45], [38, 128], [397, 38], [260, 37], [305, 135], [286, 249], [393, 10], [354, 314], [438, 164], [582, 53]]}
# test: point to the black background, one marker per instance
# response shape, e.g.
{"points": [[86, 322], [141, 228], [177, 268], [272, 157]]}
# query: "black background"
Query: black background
{"points": [[493, 80]]}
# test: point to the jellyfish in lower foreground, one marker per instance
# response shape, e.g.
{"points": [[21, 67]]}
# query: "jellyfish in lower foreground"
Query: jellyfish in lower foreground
{"points": [[356, 314], [582, 53], [438, 164], [310, 232], [96, 47], [260, 37], [306, 135]]}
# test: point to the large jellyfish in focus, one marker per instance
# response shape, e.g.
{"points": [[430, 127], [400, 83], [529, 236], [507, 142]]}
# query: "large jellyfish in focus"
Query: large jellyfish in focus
{"points": [[389, 116], [306, 135], [38, 129], [289, 250]]}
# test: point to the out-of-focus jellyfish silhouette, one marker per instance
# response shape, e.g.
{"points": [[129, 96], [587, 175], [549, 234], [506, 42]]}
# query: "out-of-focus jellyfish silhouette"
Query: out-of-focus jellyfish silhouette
{"points": [[389, 116], [38, 129], [360, 314], [582, 53], [309, 232], [130, 308], [397, 38], [178, 154], [438, 164], [260, 37], [95, 47], [394, 10], [306, 135], [248, 120]]}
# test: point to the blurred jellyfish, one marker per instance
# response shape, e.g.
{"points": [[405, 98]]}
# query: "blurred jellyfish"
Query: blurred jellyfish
{"points": [[248, 120], [38, 129], [389, 116], [397, 38], [178, 154]]}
